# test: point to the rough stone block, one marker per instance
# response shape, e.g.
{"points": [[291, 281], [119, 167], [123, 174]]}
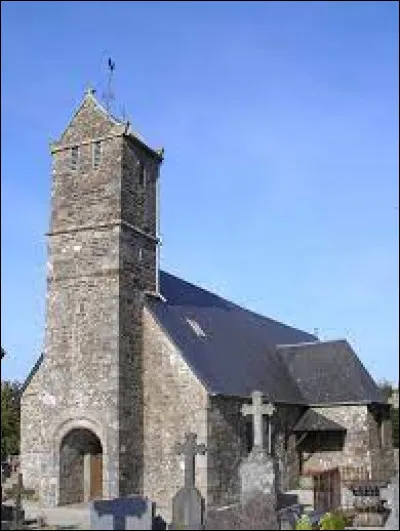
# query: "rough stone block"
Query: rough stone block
{"points": [[257, 474], [259, 512]]}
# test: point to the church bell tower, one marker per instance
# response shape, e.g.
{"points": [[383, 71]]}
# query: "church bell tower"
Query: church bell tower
{"points": [[86, 397]]}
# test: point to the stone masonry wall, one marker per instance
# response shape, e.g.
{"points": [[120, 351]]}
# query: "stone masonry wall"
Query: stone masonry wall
{"points": [[227, 443], [77, 383], [226, 435], [86, 124], [174, 402], [137, 262], [356, 448], [76, 386], [284, 445], [86, 196], [102, 256], [380, 442], [138, 197]]}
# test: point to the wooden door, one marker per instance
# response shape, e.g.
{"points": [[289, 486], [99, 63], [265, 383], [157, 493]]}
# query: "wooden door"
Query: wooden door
{"points": [[96, 476], [71, 477]]}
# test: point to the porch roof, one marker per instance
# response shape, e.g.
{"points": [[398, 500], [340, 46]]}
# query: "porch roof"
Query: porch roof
{"points": [[314, 421]]}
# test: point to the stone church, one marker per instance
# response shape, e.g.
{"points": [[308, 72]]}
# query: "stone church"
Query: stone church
{"points": [[134, 357]]}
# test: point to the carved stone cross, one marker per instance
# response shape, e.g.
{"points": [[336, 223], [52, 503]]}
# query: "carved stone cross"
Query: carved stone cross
{"points": [[190, 448], [258, 409]]}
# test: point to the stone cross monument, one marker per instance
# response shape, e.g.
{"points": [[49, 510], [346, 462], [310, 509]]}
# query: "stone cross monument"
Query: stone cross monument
{"points": [[257, 471], [188, 503], [189, 449], [258, 409]]}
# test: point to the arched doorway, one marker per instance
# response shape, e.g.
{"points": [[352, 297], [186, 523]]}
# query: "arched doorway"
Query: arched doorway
{"points": [[81, 467]]}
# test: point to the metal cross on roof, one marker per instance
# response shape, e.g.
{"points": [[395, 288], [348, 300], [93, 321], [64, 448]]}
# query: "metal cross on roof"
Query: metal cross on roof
{"points": [[190, 449], [257, 409]]}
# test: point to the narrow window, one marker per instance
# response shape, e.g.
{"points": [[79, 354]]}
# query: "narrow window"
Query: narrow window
{"points": [[140, 254], [74, 157], [142, 174], [96, 154]]}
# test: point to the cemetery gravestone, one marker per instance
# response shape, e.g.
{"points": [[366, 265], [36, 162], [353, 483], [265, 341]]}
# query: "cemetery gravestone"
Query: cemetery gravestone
{"points": [[258, 470], [188, 503], [258, 506], [255, 513], [133, 512]]}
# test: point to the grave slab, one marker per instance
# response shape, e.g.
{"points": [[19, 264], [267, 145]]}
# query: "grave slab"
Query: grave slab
{"points": [[133, 512]]}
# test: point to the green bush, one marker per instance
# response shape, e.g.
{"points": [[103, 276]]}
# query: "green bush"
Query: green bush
{"points": [[332, 521], [303, 523]]}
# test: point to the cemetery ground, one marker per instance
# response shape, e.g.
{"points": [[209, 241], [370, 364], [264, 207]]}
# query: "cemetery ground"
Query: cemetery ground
{"points": [[261, 504], [78, 516], [67, 517]]}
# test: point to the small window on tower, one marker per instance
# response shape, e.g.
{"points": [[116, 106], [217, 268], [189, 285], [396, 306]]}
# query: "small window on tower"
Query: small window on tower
{"points": [[74, 157], [96, 154], [142, 174]]}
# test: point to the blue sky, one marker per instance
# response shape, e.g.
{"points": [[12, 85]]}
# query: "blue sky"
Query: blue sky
{"points": [[280, 126]]}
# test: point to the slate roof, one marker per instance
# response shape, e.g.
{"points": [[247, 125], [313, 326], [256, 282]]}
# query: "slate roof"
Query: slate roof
{"points": [[330, 373], [243, 351], [314, 421], [240, 351]]}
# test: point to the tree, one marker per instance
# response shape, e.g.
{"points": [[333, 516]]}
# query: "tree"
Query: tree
{"points": [[10, 418], [388, 391]]}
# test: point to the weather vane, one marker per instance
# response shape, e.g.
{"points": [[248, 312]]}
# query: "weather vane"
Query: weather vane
{"points": [[109, 94]]}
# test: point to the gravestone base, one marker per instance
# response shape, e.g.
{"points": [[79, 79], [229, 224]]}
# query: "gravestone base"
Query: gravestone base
{"points": [[187, 509], [257, 474], [258, 512]]}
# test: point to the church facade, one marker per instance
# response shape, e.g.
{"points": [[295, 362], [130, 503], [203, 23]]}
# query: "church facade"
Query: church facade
{"points": [[135, 357]]}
